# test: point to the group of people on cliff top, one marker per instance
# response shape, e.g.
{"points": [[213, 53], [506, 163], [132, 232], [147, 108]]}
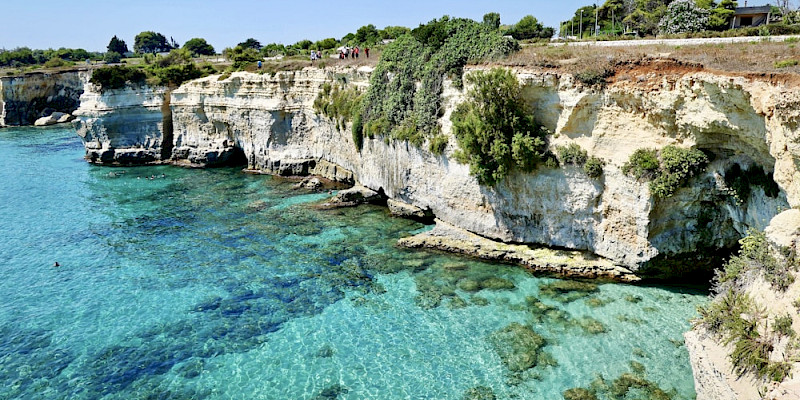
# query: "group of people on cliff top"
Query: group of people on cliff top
{"points": [[344, 52], [351, 52]]}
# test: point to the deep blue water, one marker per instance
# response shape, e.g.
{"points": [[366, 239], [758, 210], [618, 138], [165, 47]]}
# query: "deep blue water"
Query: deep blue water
{"points": [[216, 284]]}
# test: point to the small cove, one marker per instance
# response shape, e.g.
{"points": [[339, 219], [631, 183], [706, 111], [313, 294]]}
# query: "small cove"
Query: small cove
{"points": [[218, 284]]}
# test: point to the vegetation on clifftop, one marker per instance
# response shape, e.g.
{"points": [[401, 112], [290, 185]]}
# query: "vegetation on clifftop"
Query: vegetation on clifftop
{"points": [[403, 101], [170, 70]]}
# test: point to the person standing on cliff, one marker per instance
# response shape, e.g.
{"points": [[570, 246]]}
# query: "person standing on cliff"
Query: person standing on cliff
{"points": [[356, 50], [366, 51]]}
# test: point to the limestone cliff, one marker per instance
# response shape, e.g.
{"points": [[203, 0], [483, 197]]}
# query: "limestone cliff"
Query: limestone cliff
{"points": [[746, 124], [123, 125], [270, 119], [23, 99]]}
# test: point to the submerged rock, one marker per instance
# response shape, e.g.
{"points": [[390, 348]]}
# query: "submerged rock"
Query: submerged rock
{"points": [[479, 393], [449, 238], [518, 346], [567, 291], [495, 283]]}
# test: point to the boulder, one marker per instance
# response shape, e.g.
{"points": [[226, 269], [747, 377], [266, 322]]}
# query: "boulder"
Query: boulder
{"points": [[356, 195], [54, 118], [405, 210]]}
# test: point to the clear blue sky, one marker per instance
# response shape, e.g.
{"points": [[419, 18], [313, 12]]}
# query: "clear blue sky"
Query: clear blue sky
{"points": [[90, 24]]}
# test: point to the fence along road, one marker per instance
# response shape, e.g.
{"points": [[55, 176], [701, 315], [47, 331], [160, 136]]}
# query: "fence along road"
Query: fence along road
{"points": [[676, 42]]}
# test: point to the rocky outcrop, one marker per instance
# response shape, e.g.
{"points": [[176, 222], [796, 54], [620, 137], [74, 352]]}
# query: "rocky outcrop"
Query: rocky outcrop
{"points": [[123, 125], [26, 98], [744, 121], [448, 238], [711, 352], [54, 118]]}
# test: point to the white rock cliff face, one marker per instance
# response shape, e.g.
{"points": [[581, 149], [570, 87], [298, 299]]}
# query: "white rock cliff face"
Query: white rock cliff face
{"points": [[123, 125], [272, 121], [739, 121], [23, 99]]}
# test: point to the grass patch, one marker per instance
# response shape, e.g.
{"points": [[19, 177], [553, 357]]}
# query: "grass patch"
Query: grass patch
{"points": [[785, 63]]}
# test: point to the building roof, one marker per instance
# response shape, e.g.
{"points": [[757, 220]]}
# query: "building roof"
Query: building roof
{"points": [[753, 10]]}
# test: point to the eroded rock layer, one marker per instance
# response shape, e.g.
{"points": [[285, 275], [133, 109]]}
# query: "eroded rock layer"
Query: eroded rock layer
{"points": [[270, 121], [24, 99]]}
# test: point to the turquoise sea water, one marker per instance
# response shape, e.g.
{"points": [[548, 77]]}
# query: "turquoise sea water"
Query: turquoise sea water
{"points": [[215, 284]]}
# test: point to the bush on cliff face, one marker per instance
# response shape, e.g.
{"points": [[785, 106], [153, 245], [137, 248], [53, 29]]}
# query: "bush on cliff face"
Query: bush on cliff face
{"points": [[667, 170], [594, 167], [738, 320], [403, 101], [493, 129], [342, 104], [572, 154]]}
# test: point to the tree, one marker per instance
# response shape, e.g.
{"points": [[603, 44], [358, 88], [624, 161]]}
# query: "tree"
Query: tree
{"points": [[529, 28], [326, 44], [367, 34], [250, 44], [348, 38], [492, 19], [273, 49], [199, 47], [241, 56], [721, 15], [684, 16], [150, 42], [304, 44], [393, 32], [112, 57], [117, 45]]}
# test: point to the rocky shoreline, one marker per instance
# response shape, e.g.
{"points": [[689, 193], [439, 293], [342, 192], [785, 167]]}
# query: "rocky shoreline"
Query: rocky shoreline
{"points": [[572, 264]]}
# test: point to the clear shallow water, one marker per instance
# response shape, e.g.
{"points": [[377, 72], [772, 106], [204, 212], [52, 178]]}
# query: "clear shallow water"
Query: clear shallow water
{"points": [[215, 284]]}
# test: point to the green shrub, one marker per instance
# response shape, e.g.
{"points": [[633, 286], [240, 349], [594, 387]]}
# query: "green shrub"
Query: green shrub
{"points": [[495, 133], [55, 62], [112, 57], [175, 75], [786, 63], [666, 171], [338, 102], [358, 132], [437, 144], [571, 154], [595, 76], [594, 167], [676, 167], [404, 95], [642, 164], [783, 325], [117, 77]]}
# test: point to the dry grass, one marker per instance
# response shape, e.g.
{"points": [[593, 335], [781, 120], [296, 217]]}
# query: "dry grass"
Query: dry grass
{"points": [[754, 58]]}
